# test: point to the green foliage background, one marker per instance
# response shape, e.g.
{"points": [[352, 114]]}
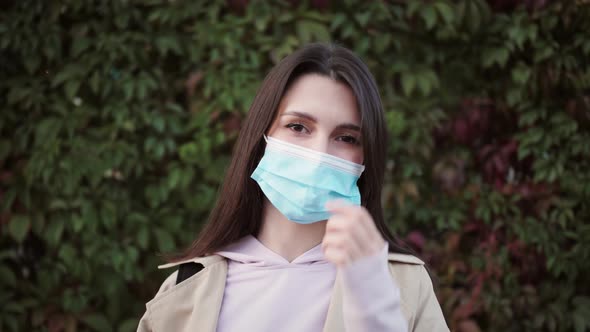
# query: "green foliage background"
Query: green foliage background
{"points": [[118, 119]]}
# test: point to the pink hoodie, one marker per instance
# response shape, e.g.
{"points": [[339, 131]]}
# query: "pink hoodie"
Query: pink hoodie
{"points": [[264, 292]]}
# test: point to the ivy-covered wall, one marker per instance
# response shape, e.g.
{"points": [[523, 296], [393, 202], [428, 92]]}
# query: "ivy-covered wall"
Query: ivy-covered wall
{"points": [[118, 118]]}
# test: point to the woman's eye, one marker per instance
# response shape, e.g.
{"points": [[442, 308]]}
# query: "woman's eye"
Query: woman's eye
{"points": [[349, 139], [297, 127]]}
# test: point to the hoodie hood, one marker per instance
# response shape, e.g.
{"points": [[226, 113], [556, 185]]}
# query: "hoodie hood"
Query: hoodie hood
{"points": [[251, 252], [265, 292]]}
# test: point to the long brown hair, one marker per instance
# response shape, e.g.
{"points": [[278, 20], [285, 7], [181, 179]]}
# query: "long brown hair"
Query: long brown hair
{"points": [[238, 210]]}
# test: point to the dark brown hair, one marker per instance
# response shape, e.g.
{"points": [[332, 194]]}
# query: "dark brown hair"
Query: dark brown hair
{"points": [[238, 210]]}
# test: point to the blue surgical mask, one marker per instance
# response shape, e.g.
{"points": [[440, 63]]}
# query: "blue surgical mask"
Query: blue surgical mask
{"points": [[300, 181]]}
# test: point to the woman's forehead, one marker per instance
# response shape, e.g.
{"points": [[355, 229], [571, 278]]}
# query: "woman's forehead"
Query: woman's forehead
{"points": [[322, 98]]}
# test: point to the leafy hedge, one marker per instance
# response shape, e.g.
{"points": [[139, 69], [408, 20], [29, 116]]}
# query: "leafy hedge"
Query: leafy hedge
{"points": [[118, 119]]}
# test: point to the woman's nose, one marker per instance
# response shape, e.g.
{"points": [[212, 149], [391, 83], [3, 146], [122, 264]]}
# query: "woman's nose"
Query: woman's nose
{"points": [[320, 144]]}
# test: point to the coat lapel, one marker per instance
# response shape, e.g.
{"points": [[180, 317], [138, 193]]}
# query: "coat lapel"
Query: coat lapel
{"points": [[335, 317], [195, 302]]}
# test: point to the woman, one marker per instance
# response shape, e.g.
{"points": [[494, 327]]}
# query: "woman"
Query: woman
{"points": [[297, 239]]}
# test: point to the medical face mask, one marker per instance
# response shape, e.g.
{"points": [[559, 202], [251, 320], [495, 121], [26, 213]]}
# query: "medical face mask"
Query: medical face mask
{"points": [[300, 181]]}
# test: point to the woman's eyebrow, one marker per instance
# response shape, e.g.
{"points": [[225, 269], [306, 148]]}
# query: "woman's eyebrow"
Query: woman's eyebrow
{"points": [[301, 115], [349, 126]]}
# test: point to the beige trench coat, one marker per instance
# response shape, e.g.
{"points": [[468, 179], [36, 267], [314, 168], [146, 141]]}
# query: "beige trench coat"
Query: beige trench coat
{"points": [[194, 304]]}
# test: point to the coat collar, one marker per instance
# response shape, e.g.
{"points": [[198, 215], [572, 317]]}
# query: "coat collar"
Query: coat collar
{"points": [[205, 261], [194, 302], [212, 259], [201, 305]]}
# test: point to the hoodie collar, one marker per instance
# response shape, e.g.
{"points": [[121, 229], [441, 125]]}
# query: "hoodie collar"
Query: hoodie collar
{"points": [[249, 250]]}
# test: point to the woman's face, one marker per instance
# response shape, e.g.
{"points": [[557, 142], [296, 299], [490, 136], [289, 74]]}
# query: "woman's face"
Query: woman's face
{"points": [[320, 113]]}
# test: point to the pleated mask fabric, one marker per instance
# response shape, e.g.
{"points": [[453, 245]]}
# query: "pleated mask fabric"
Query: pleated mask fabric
{"points": [[299, 181]]}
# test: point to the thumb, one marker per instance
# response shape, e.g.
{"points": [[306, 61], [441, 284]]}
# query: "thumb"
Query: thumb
{"points": [[338, 205]]}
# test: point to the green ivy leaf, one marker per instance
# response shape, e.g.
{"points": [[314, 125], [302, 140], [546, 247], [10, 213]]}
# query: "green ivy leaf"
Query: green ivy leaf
{"points": [[97, 322], [55, 231], [7, 276], [521, 74], [80, 45], [408, 83], [429, 15], [32, 63], [164, 240], [310, 31], [19, 226], [128, 325], [493, 56], [142, 238], [445, 11]]}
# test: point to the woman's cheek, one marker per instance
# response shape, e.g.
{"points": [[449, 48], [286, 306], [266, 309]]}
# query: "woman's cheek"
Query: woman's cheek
{"points": [[351, 153]]}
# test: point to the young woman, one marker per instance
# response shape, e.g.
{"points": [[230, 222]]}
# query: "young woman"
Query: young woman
{"points": [[297, 239]]}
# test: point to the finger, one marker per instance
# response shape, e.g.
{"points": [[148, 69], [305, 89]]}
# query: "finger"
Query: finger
{"points": [[357, 212], [367, 239], [340, 223], [352, 224], [339, 206], [337, 256], [343, 241]]}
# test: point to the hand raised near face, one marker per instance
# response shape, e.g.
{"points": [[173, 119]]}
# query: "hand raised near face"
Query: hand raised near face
{"points": [[350, 235]]}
